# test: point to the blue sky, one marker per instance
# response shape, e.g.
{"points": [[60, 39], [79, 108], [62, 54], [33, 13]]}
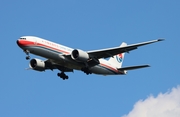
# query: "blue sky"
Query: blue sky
{"points": [[90, 25]]}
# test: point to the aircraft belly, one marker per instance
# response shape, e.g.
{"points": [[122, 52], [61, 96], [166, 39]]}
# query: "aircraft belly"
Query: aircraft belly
{"points": [[100, 70]]}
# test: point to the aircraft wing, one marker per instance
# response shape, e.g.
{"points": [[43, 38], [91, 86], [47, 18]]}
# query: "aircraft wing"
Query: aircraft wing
{"points": [[109, 52], [54, 65]]}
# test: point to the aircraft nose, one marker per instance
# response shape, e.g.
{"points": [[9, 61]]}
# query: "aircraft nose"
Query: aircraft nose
{"points": [[18, 43]]}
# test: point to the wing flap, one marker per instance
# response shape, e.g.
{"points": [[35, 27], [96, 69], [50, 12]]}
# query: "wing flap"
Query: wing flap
{"points": [[133, 67]]}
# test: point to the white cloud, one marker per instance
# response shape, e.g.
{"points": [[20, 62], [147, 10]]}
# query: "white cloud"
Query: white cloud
{"points": [[164, 105]]}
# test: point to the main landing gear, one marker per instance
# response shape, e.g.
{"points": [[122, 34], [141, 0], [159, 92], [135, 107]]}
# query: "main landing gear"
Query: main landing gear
{"points": [[62, 75], [27, 53], [86, 70]]}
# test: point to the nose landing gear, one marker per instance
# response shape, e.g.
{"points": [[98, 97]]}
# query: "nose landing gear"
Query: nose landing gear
{"points": [[27, 57], [27, 53]]}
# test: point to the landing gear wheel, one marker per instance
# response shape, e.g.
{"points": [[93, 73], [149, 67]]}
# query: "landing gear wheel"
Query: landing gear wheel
{"points": [[66, 77], [62, 75], [58, 74], [27, 57], [86, 70]]}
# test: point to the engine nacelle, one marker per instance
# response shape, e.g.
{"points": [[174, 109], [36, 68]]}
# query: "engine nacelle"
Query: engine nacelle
{"points": [[37, 64], [79, 55]]}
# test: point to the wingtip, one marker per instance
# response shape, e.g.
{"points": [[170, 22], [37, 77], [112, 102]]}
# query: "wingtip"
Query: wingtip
{"points": [[147, 66], [160, 39]]}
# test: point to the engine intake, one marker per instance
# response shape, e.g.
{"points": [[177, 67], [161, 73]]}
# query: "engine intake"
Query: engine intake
{"points": [[79, 55], [37, 64]]}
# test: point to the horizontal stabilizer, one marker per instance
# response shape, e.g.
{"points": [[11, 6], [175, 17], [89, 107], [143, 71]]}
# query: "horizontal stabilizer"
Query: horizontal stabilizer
{"points": [[133, 67]]}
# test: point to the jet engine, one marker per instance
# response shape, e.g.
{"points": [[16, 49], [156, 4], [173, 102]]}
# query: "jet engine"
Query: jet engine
{"points": [[37, 64], [79, 55]]}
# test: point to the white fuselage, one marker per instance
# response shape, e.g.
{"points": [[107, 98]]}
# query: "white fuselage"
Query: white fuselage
{"points": [[57, 53]]}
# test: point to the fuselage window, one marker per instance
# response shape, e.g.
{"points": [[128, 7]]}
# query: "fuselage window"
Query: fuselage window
{"points": [[23, 38]]}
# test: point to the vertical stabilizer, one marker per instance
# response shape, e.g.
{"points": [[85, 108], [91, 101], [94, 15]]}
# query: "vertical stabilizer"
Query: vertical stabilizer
{"points": [[117, 60]]}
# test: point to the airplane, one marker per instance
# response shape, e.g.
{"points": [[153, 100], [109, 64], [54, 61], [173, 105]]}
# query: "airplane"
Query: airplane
{"points": [[66, 59]]}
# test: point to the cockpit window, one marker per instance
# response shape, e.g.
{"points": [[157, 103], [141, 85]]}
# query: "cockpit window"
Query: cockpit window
{"points": [[23, 38]]}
